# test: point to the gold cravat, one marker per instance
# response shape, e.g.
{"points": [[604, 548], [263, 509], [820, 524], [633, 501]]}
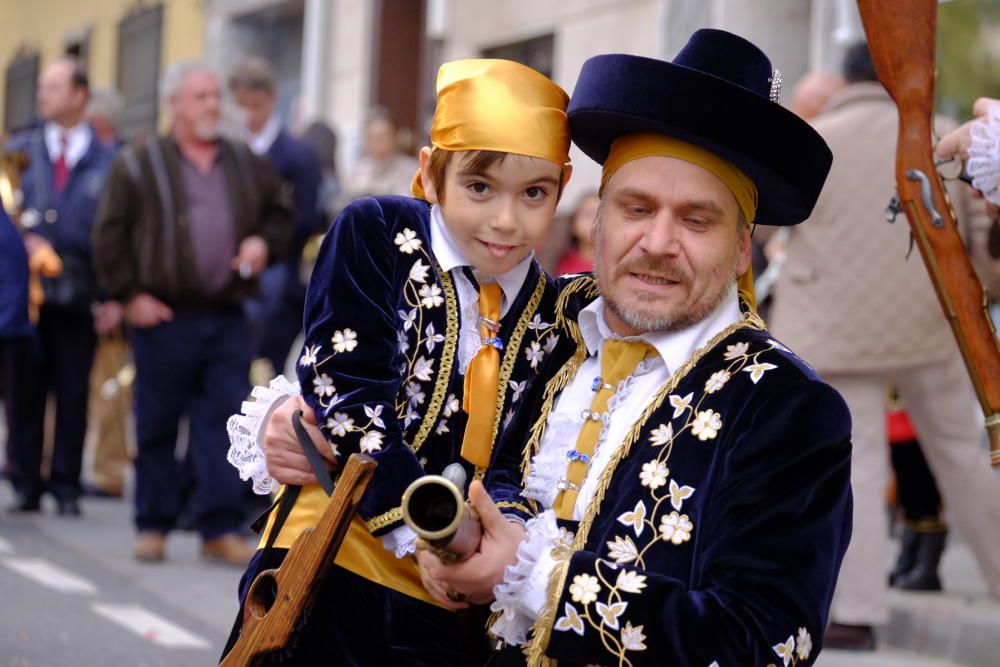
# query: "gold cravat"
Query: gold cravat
{"points": [[481, 381], [619, 359]]}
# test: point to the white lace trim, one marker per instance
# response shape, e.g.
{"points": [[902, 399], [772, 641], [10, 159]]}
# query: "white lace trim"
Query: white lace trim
{"points": [[468, 332], [983, 165], [401, 541], [246, 432], [514, 600]]}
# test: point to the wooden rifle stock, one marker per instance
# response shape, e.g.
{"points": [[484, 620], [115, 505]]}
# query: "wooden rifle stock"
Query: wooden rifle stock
{"points": [[277, 599], [901, 37]]}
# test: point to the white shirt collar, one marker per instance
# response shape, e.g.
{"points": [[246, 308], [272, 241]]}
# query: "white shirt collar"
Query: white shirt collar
{"points": [[77, 141], [675, 347], [449, 257], [261, 142]]}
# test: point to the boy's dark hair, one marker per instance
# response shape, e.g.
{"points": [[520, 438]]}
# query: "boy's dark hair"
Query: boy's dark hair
{"points": [[858, 65], [478, 161]]}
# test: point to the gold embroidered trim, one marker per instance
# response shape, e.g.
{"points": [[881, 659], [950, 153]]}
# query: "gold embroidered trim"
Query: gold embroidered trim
{"points": [[541, 631], [383, 520], [513, 348], [447, 360], [513, 505], [479, 473]]}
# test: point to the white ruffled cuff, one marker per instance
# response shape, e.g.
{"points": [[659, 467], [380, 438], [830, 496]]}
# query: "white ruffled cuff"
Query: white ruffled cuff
{"points": [[983, 165], [521, 596], [246, 432], [401, 541]]}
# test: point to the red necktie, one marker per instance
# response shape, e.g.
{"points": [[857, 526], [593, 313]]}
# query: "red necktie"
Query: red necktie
{"points": [[61, 171]]}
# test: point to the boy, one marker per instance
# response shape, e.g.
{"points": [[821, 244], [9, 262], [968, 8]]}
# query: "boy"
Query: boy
{"points": [[427, 321]]}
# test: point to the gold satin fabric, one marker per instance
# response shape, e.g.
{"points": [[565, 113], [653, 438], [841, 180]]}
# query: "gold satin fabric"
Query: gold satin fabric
{"points": [[481, 381]]}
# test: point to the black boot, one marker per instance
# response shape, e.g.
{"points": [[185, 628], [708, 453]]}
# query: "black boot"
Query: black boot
{"points": [[924, 575], [907, 555]]}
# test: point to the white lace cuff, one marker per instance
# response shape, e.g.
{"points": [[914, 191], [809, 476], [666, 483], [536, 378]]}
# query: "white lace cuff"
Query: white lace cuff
{"points": [[983, 165], [401, 541], [246, 432], [521, 596]]}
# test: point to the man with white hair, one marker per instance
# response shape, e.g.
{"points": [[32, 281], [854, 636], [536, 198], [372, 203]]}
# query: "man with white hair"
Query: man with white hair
{"points": [[187, 223]]}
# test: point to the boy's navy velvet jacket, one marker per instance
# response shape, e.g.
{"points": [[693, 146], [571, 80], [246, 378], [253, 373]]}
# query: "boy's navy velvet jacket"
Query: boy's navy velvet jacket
{"points": [[380, 365], [13, 281], [718, 528]]}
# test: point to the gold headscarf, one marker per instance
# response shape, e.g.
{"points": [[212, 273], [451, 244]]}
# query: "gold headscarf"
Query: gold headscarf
{"points": [[634, 146], [498, 105]]}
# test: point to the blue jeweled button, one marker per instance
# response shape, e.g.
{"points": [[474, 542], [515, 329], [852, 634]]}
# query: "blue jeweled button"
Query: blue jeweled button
{"points": [[597, 384]]}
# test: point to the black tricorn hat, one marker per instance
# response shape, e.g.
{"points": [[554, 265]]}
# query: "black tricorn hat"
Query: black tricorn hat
{"points": [[717, 94]]}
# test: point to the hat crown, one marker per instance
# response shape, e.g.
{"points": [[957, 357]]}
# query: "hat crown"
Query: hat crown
{"points": [[728, 57]]}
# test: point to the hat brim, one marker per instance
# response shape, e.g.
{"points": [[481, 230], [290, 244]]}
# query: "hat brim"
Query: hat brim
{"points": [[786, 158]]}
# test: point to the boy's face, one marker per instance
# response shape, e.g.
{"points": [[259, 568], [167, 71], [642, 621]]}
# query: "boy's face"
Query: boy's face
{"points": [[496, 215]]}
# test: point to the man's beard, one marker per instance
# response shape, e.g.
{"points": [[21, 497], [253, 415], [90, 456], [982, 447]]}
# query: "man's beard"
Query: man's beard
{"points": [[207, 130]]}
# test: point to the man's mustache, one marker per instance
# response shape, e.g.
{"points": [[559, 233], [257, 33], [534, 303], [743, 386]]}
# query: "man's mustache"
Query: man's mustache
{"points": [[661, 269]]}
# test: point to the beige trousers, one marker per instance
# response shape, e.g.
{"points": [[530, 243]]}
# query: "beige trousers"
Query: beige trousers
{"points": [[940, 401]]}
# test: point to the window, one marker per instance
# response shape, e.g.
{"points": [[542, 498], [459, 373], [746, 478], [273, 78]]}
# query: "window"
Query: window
{"points": [[139, 70], [19, 97], [536, 53]]}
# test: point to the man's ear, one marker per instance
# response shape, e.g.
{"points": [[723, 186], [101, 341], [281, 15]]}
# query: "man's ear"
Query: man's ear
{"points": [[743, 261], [426, 179]]}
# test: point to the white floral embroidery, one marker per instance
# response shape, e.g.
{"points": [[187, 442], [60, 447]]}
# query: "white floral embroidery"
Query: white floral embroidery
{"points": [[571, 621], [537, 324], [622, 550], [716, 382], [636, 518], [340, 424], [409, 319], [654, 474], [323, 386], [418, 272], [803, 644], [407, 241], [785, 649], [410, 416], [371, 441], [414, 394], [451, 405], [422, 369], [432, 338], [631, 581], [706, 425], [404, 343], [344, 341], [442, 428], [680, 404], [430, 296], [584, 589], [508, 417], [678, 494], [517, 388], [757, 371], [662, 434], [676, 528], [736, 350], [632, 637], [309, 356], [375, 414], [550, 344], [609, 613], [534, 354]]}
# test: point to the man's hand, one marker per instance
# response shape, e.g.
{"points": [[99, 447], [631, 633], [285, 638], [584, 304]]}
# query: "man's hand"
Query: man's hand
{"points": [[145, 310], [476, 576], [286, 462], [431, 576], [251, 258], [33, 243], [107, 316]]}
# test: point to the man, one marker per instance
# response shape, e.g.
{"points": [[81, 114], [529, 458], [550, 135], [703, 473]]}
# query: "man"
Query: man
{"points": [[813, 92], [276, 316], [187, 222], [865, 317], [690, 473], [383, 169], [61, 190]]}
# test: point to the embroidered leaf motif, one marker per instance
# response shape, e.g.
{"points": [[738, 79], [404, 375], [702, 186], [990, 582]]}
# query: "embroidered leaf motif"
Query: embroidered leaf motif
{"points": [[451, 405], [423, 368], [371, 441], [407, 241], [550, 343], [430, 296], [432, 338], [632, 637], [584, 589], [442, 428], [631, 581], [414, 394], [757, 371], [517, 388], [803, 644], [323, 386], [403, 341], [418, 272], [654, 474], [680, 404], [678, 494], [736, 350], [309, 356], [706, 425], [778, 345], [508, 417], [340, 424], [662, 434], [375, 415], [609, 613], [408, 318], [716, 382], [571, 621], [410, 416], [676, 528], [537, 324], [784, 649], [622, 550], [636, 518], [535, 354]]}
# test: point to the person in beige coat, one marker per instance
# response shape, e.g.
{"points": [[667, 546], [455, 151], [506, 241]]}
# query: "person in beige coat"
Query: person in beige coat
{"points": [[853, 304]]}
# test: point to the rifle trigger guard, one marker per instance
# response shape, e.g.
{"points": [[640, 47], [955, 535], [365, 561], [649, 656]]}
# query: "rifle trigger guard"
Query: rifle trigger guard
{"points": [[926, 195], [893, 209]]}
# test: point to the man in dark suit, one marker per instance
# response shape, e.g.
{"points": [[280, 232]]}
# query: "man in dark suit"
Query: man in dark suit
{"points": [[276, 316], [61, 190]]}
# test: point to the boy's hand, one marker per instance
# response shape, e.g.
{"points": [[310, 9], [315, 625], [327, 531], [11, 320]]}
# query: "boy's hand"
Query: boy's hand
{"points": [[286, 462], [430, 576], [476, 576]]}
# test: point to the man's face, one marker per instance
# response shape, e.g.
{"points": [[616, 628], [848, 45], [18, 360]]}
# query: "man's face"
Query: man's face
{"points": [[197, 106], [497, 215], [667, 245], [256, 105], [57, 98]]}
